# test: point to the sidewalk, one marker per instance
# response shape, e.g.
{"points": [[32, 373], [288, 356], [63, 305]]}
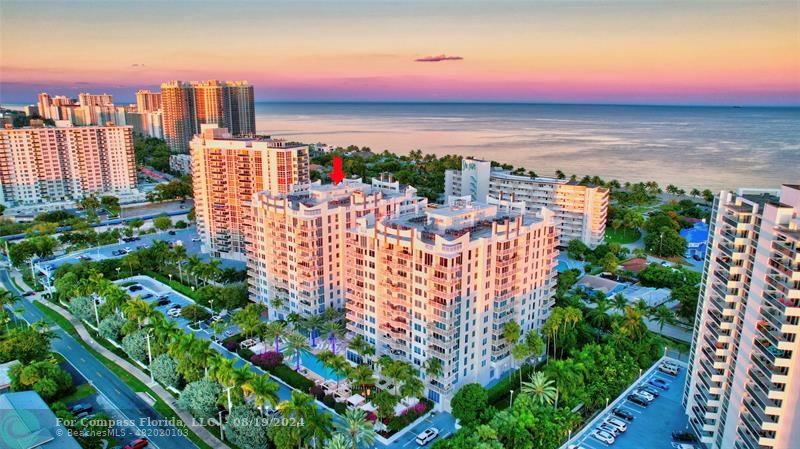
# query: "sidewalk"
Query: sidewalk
{"points": [[165, 396]]}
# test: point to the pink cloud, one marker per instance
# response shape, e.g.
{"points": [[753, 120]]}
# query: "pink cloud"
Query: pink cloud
{"points": [[438, 58]]}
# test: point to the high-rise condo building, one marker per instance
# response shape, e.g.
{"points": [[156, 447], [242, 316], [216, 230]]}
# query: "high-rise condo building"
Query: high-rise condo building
{"points": [[227, 171], [39, 165], [744, 367], [442, 283], [147, 101], [187, 105], [296, 252], [580, 211], [87, 99]]}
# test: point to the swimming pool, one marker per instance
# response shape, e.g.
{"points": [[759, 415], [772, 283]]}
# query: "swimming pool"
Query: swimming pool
{"points": [[311, 362]]}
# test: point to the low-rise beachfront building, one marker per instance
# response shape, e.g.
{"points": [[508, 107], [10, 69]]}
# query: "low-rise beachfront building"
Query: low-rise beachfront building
{"points": [[443, 282], [580, 211]]}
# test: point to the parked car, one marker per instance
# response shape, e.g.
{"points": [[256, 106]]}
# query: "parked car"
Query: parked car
{"points": [[638, 400], [618, 423], [684, 436], [605, 437], [606, 427], [652, 390], [659, 383], [29, 293], [196, 239], [138, 443], [147, 296], [163, 302], [622, 413], [171, 233], [669, 368], [80, 408], [645, 394], [135, 288], [427, 436]]}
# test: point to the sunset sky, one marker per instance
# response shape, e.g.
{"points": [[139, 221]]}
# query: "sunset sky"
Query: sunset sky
{"points": [[675, 52]]}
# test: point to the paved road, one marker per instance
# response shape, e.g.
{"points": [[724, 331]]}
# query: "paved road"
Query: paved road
{"points": [[442, 421], [122, 397]]}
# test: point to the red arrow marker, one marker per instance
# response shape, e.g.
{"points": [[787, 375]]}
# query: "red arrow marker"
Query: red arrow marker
{"points": [[337, 175]]}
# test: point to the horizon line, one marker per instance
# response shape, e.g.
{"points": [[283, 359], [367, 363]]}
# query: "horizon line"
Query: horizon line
{"points": [[496, 102]]}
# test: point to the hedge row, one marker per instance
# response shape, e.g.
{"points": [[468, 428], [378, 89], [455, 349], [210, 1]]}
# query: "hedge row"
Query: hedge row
{"points": [[293, 378]]}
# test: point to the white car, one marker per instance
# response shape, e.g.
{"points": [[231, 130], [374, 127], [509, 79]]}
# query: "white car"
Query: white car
{"points": [[605, 437], [618, 423], [427, 436], [646, 395], [608, 428]]}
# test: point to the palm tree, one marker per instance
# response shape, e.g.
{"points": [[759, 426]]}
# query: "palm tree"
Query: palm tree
{"points": [[619, 301], [7, 298], [193, 263], [520, 352], [334, 329], [273, 331], [568, 376], [541, 389], [339, 441], [412, 387], [316, 425], [662, 315], [296, 344], [598, 315], [361, 376], [178, 255], [433, 367], [313, 323], [358, 428], [139, 310], [535, 343]]}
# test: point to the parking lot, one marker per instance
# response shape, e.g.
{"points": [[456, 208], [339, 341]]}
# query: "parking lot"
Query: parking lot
{"points": [[152, 290], [653, 425], [187, 237]]}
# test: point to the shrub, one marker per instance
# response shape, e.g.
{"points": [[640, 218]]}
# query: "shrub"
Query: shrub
{"points": [[165, 370], [200, 398], [468, 403], [245, 353], [267, 360], [230, 345], [329, 401], [43, 377], [111, 326], [246, 428], [83, 308], [292, 377], [317, 391], [135, 345]]}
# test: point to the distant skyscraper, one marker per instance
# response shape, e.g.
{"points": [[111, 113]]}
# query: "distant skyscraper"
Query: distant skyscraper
{"points": [[240, 107], [227, 171], [179, 118], [744, 368], [40, 165], [147, 101], [86, 99], [186, 106]]}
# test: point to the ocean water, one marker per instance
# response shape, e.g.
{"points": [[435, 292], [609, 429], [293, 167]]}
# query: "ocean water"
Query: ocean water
{"points": [[703, 147]]}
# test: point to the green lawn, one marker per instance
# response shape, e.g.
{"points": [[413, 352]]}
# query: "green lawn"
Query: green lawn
{"points": [[129, 379], [81, 391], [622, 236]]}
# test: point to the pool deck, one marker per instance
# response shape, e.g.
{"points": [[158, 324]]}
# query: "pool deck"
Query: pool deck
{"points": [[653, 425]]}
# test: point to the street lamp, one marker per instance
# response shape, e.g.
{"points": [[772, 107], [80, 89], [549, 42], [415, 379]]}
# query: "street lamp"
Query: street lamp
{"points": [[511, 400], [95, 298], [150, 358], [606, 402]]}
